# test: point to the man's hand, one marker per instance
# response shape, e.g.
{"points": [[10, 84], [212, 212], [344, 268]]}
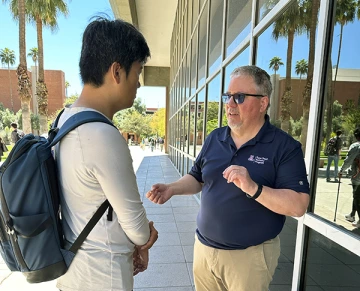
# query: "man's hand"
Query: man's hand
{"points": [[241, 178], [159, 193], [140, 260], [153, 237]]}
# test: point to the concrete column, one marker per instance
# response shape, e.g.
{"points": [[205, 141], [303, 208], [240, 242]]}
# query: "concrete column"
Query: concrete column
{"points": [[34, 76]]}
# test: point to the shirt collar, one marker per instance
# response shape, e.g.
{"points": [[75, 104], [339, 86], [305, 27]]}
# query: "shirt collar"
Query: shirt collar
{"points": [[266, 133]]}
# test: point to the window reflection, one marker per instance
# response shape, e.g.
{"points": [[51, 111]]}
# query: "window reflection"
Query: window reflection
{"points": [[330, 266], [200, 121], [215, 34], [265, 7], [341, 111], [285, 51], [193, 62], [213, 102], [192, 128], [202, 46], [238, 23], [241, 60]]}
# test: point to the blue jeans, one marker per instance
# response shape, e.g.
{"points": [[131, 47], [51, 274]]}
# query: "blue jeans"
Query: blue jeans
{"points": [[334, 158]]}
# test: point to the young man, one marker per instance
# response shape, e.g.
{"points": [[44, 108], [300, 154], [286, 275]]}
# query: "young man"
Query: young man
{"points": [[352, 161], [334, 157], [95, 164], [251, 175]]}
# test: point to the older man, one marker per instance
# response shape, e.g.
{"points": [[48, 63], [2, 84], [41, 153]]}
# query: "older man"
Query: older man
{"points": [[251, 175]]}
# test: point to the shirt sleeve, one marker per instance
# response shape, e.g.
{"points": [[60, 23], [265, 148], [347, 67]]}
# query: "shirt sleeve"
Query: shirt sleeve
{"points": [[109, 157], [350, 157], [291, 171]]}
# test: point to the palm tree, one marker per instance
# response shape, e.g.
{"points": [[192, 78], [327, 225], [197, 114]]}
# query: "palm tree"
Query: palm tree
{"points": [[301, 68], [275, 64], [312, 9], [345, 13], [67, 85], [44, 13], [17, 8], [34, 54], [7, 56], [288, 25]]}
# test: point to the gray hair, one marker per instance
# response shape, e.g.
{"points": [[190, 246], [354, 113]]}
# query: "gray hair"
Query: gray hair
{"points": [[261, 78]]}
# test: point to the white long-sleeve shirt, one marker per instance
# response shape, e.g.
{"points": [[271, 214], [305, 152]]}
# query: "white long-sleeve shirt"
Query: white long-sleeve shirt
{"points": [[95, 164]]}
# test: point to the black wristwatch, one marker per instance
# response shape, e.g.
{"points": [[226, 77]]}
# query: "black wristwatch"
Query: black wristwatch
{"points": [[257, 194]]}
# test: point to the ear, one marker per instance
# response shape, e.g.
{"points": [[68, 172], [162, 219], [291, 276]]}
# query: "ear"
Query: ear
{"points": [[264, 103], [116, 72]]}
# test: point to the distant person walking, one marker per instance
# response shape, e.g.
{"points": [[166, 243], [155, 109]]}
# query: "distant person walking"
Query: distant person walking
{"points": [[16, 134], [352, 161], [161, 143], [334, 147]]}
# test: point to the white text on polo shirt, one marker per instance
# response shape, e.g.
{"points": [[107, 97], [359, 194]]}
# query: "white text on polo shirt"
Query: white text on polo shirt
{"points": [[258, 160]]}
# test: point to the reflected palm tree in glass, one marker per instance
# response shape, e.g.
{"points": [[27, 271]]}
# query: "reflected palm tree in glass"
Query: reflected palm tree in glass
{"points": [[301, 69], [7, 56]]}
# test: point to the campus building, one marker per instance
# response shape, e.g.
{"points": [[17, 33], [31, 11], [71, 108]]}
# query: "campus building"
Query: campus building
{"points": [[55, 83], [196, 44]]}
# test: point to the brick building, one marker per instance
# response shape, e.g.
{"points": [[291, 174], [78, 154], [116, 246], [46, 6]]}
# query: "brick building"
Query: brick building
{"points": [[55, 82]]}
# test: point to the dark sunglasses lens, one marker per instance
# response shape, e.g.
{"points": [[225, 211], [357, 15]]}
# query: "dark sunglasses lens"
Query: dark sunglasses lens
{"points": [[239, 98]]}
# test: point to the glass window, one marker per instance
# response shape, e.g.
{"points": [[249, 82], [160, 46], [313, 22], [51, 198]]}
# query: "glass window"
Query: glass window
{"points": [[193, 62], [202, 47], [186, 84], [265, 7], [200, 121], [283, 275], [330, 266], [192, 136], [195, 13], [215, 34], [242, 59], [213, 102], [238, 23], [189, 20], [281, 49], [341, 112], [185, 133]]}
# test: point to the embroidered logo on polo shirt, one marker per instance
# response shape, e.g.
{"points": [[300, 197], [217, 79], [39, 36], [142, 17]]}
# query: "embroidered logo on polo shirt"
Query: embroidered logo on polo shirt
{"points": [[257, 159]]}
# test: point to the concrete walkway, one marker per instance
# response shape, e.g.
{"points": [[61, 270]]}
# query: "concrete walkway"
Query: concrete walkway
{"points": [[170, 265]]}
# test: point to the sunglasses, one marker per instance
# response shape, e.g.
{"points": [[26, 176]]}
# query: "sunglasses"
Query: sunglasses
{"points": [[238, 97]]}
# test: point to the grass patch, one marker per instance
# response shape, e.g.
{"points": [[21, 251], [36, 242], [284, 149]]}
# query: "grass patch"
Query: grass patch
{"points": [[3, 158]]}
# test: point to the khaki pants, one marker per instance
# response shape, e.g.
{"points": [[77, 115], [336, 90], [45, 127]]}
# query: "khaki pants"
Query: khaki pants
{"points": [[251, 269]]}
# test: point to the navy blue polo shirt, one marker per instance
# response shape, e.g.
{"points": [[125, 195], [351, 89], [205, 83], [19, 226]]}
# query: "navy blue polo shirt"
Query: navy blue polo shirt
{"points": [[227, 219]]}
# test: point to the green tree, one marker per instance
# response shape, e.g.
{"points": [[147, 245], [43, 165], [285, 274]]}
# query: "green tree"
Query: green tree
{"points": [[345, 13], [288, 25], [44, 13], [7, 57], [157, 122], [70, 100], [301, 69], [134, 122], [17, 8], [351, 115]]}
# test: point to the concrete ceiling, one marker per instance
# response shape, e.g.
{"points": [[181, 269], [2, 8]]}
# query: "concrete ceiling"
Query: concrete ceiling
{"points": [[155, 19]]}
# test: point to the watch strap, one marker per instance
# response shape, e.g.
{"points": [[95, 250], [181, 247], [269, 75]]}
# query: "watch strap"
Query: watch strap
{"points": [[257, 194]]}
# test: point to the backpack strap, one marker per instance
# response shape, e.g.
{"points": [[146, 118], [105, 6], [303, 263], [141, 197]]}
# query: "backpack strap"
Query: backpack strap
{"points": [[89, 226], [75, 121]]}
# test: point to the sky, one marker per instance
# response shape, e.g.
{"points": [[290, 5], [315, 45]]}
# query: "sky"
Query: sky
{"points": [[62, 47]]}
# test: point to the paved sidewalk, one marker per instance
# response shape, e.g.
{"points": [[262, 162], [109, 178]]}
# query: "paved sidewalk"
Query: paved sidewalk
{"points": [[170, 265]]}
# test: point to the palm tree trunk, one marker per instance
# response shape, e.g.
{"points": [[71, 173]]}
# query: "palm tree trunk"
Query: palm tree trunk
{"points": [[41, 90], [11, 96], [286, 99], [309, 79], [23, 78], [298, 97]]}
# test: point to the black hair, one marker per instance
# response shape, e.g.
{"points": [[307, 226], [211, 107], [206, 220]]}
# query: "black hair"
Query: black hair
{"points": [[14, 125], [338, 132], [107, 41]]}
